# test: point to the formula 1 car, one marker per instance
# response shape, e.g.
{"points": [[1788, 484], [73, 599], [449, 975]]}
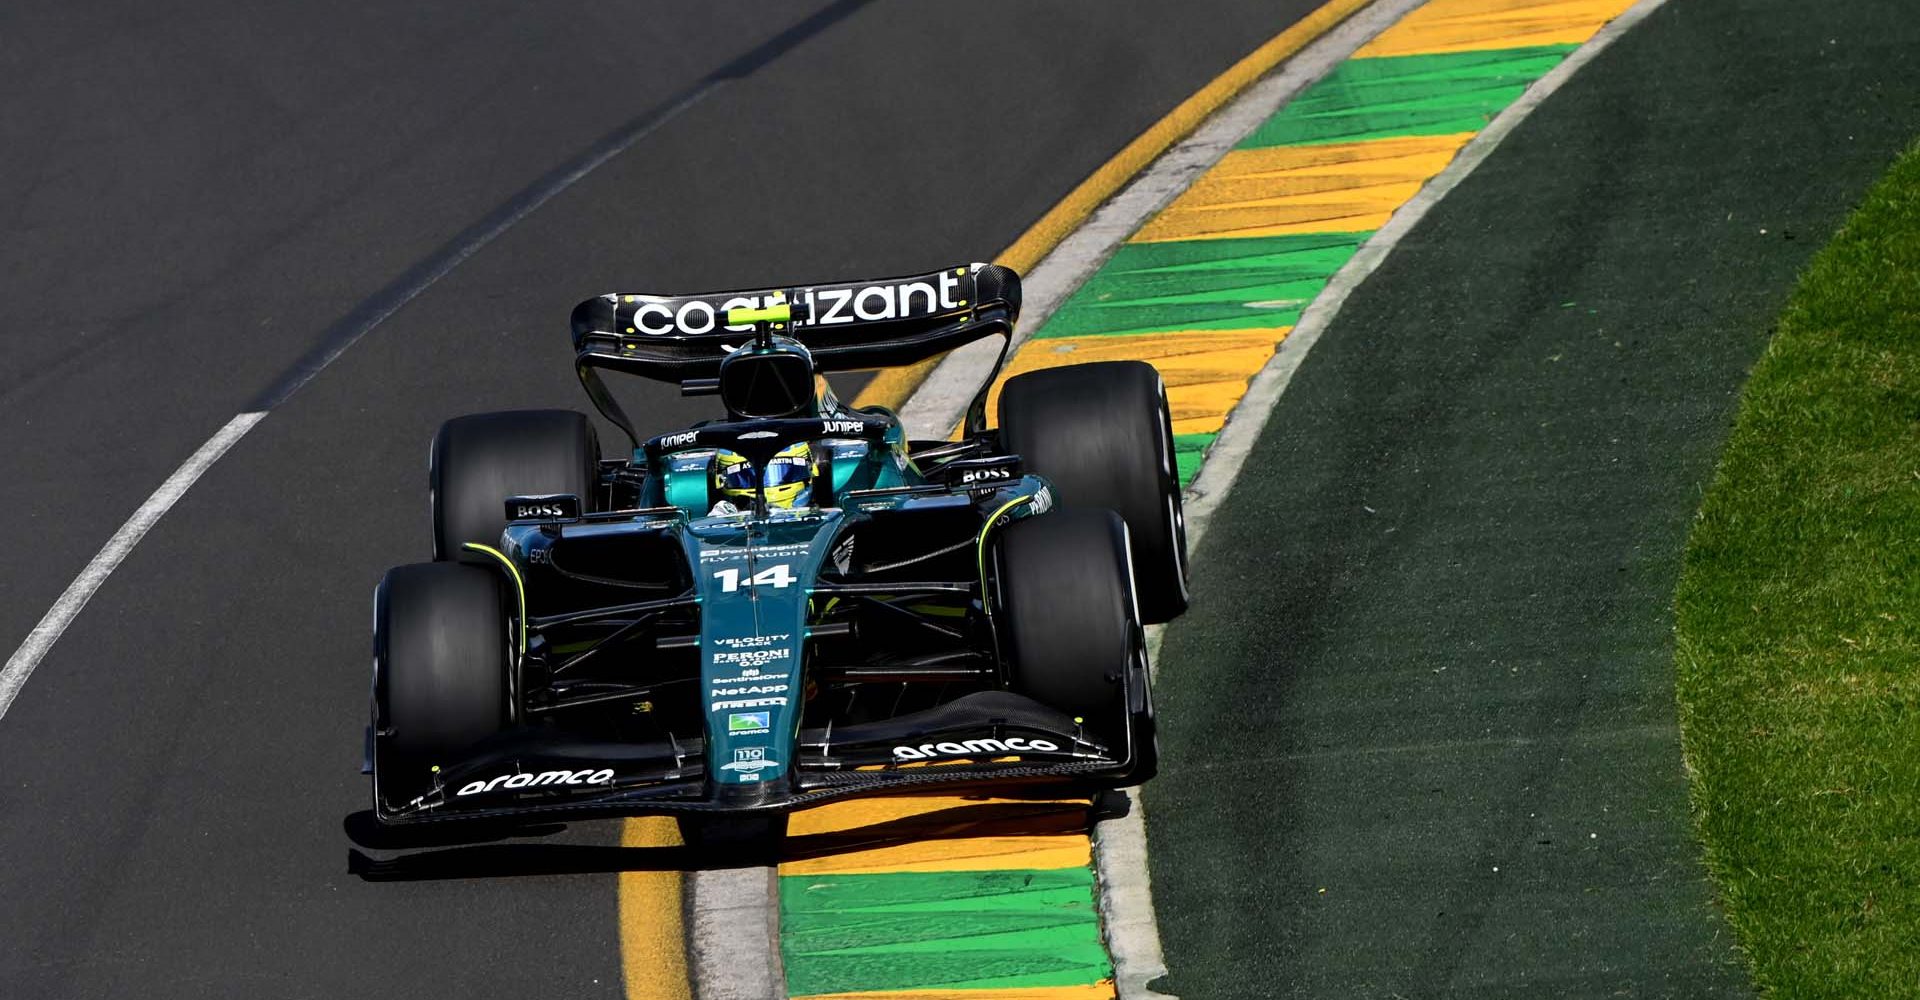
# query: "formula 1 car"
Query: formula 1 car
{"points": [[791, 604]]}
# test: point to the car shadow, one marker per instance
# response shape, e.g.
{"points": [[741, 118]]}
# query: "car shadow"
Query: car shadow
{"points": [[470, 851]]}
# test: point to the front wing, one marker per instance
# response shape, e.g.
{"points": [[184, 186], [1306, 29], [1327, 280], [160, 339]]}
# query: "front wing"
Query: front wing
{"points": [[991, 738]]}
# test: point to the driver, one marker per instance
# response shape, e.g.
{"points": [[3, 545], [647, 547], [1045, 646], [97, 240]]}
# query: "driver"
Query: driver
{"points": [[789, 479]]}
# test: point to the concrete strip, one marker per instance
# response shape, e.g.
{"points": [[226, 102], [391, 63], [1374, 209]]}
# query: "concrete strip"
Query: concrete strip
{"points": [[937, 408], [1126, 899], [733, 914]]}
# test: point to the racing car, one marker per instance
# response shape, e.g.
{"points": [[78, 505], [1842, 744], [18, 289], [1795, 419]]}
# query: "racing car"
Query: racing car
{"points": [[791, 603]]}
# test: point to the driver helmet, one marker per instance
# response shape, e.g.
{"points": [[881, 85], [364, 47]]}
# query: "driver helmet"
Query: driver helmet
{"points": [[789, 475]]}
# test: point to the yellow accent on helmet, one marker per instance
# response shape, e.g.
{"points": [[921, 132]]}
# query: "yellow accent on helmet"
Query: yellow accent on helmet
{"points": [[788, 475]]}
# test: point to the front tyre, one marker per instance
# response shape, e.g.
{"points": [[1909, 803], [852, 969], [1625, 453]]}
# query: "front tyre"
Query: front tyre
{"points": [[480, 460], [1102, 435], [1070, 629], [442, 651]]}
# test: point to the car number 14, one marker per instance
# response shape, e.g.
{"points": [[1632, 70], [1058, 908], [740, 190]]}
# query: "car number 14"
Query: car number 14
{"points": [[780, 575]]}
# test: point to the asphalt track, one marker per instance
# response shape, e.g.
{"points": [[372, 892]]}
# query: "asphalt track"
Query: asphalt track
{"points": [[200, 200], [1449, 740]]}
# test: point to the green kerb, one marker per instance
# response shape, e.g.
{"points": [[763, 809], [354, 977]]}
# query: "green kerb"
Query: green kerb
{"points": [[1233, 284], [940, 930], [1188, 451], [1408, 95]]}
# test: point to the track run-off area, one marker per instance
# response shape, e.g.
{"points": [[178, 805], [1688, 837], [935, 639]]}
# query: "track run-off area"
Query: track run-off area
{"points": [[1419, 730]]}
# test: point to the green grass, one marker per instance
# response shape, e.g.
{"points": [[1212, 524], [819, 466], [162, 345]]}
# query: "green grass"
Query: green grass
{"points": [[1799, 627]]}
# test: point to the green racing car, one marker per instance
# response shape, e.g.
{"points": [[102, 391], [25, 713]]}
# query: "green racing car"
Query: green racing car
{"points": [[793, 603]]}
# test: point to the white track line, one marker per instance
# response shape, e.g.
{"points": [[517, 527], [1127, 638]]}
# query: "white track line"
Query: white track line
{"points": [[54, 623], [20, 665]]}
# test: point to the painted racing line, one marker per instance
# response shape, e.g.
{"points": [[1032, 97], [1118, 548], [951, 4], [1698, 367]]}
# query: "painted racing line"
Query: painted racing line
{"points": [[974, 898]]}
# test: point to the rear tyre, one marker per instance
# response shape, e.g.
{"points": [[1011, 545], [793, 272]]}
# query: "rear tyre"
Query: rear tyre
{"points": [[441, 650], [478, 461], [1070, 627], [1102, 435]]}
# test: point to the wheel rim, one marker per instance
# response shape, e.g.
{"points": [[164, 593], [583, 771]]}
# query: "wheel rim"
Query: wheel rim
{"points": [[1176, 511], [1177, 515]]}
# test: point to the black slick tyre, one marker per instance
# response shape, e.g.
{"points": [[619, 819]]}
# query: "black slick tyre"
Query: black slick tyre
{"points": [[442, 651], [1070, 630], [478, 461], [1102, 435]]}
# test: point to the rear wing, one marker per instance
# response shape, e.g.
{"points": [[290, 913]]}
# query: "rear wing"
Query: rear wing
{"points": [[846, 326]]}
